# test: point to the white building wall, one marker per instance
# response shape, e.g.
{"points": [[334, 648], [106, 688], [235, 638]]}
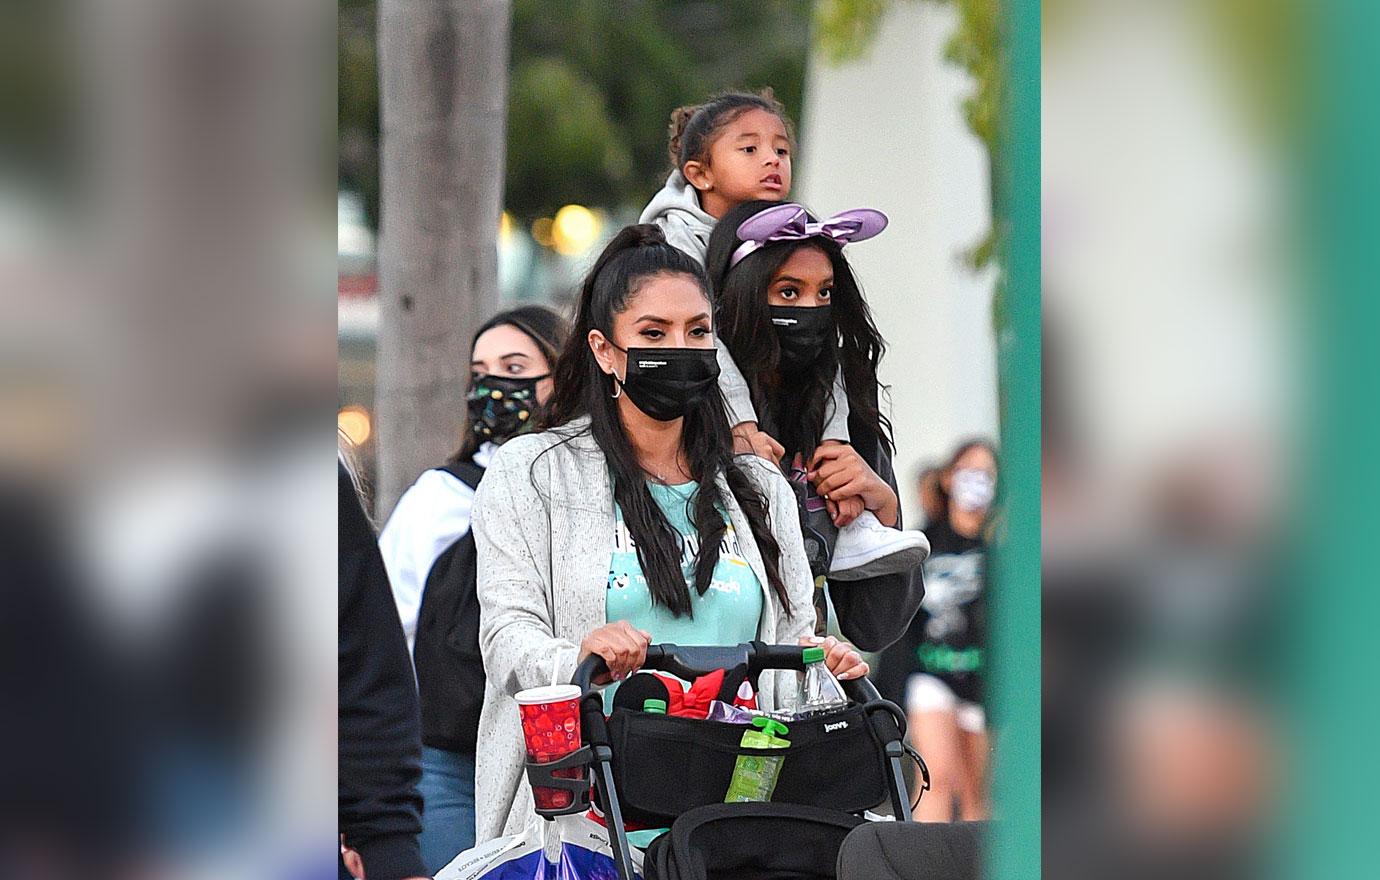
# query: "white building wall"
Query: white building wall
{"points": [[888, 132]]}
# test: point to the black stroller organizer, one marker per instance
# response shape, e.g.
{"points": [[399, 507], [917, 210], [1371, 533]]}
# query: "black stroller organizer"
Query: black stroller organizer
{"points": [[651, 768]]}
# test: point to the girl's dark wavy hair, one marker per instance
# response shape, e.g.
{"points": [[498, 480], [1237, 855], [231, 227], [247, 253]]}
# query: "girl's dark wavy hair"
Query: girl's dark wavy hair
{"points": [[795, 408], [544, 327], [636, 255]]}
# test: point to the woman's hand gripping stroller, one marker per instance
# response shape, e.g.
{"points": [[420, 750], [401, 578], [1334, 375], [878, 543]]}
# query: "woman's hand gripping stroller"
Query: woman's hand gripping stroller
{"points": [[623, 647]]}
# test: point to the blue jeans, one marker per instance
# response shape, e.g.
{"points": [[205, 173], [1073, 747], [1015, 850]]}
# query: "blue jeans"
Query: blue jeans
{"points": [[447, 789]]}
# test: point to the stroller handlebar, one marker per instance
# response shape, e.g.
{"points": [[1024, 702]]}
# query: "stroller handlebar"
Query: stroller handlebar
{"points": [[690, 662]]}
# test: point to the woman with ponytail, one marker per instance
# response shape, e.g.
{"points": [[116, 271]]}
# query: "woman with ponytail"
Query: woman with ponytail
{"points": [[628, 520]]}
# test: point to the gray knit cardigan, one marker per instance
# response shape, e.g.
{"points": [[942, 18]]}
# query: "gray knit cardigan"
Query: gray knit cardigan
{"points": [[543, 525]]}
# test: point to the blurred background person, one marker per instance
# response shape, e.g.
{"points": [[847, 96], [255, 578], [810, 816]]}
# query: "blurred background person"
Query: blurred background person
{"points": [[79, 734], [937, 670], [429, 553], [379, 809], [931, 494]]}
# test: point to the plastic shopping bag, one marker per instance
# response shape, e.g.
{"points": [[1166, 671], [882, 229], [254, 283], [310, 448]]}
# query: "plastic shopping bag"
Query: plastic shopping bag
{"points": [[565, 848]]}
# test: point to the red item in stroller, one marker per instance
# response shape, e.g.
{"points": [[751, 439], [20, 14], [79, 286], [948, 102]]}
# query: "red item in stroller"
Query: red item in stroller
{"points": [[681, 701], [651, 769]]}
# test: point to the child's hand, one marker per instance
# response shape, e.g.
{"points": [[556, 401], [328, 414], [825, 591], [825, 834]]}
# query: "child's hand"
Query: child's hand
{"points": [[839, 473], [353, 863], [845, 510], [748, 440]]}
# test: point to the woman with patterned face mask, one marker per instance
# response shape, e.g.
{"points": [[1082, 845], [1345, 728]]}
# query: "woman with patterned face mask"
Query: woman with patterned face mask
{"points": [[937, 670], [429, 552]]}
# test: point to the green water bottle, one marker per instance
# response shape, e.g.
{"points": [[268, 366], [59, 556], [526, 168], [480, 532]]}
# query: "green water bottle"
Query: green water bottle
{"points": [[754, 776]]}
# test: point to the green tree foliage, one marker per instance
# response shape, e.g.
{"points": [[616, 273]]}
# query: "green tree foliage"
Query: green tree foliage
{"points": [[1254, 36], [1264, 43], [591, 89], [977, 47], [846, 29], [560, 106], [357, 103], [40, 93]]}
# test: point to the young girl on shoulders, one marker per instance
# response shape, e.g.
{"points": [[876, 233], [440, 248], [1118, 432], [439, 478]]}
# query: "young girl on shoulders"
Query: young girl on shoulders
{"points": [[736, 148]]}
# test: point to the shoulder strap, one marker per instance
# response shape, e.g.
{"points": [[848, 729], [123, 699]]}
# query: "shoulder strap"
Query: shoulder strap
{"points": [[466, 472]]}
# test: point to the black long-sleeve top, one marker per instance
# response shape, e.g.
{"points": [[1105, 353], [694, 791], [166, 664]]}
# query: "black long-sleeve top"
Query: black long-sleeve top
{"points": [[380, 733]]}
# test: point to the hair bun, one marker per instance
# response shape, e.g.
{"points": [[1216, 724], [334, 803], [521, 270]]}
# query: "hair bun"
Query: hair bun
{"points": [[637, 236], [680, 120], [646, 235]]}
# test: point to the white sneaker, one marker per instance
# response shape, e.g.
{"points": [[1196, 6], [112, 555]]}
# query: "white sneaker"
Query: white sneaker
{"points": [[866, 548]]}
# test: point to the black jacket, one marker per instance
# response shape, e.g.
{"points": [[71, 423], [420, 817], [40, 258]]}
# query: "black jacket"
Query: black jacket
{"points": [[379, 807], [875, 612]]}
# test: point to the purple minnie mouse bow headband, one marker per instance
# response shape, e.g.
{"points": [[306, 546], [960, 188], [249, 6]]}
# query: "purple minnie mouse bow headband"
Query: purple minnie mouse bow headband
{"points": [[790, 222]]}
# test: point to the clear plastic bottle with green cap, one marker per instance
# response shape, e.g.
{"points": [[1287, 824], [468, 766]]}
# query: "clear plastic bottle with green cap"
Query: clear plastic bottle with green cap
{"points": [[754, 776], [654, 706], [820, 692]]}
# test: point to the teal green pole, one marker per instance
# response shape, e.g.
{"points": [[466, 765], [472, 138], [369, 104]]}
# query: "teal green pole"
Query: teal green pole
{"points": [[1014, 850], [1329, 782]]}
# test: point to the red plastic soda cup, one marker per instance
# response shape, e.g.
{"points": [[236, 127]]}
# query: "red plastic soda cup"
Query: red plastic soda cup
{"points": [[551, 730]]}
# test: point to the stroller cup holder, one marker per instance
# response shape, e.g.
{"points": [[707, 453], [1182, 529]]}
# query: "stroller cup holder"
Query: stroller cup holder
{"points": [[542, 775]]}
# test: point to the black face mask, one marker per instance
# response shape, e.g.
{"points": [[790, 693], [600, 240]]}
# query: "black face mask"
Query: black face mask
{"points": [[665, 383], [501, 407], [802, 333]]}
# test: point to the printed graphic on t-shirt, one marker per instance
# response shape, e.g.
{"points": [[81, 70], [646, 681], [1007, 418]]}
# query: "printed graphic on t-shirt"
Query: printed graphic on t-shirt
{"points": [[729, 612], [731, 575], [952, 582]]}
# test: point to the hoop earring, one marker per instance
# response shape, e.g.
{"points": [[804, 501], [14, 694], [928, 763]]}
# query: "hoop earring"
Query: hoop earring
{"points": [[617, 387]]}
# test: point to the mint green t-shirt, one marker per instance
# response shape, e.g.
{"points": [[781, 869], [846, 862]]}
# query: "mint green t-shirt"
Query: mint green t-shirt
{"points": [[727, 613]]}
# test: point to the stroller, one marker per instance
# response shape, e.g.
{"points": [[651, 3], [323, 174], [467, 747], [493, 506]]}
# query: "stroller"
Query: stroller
{"points": [[666, 771]]}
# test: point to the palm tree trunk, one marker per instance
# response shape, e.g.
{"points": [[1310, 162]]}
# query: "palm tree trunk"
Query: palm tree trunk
{"points": [[443, 70]]}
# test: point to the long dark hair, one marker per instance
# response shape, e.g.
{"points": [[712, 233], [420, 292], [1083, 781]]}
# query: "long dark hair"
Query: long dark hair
{"points": [[548, 330], [795, 408], [637, 254]]}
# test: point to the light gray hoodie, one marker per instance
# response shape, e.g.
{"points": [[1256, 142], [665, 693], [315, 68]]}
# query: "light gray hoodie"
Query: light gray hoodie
{"points": [[676, 209]]}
